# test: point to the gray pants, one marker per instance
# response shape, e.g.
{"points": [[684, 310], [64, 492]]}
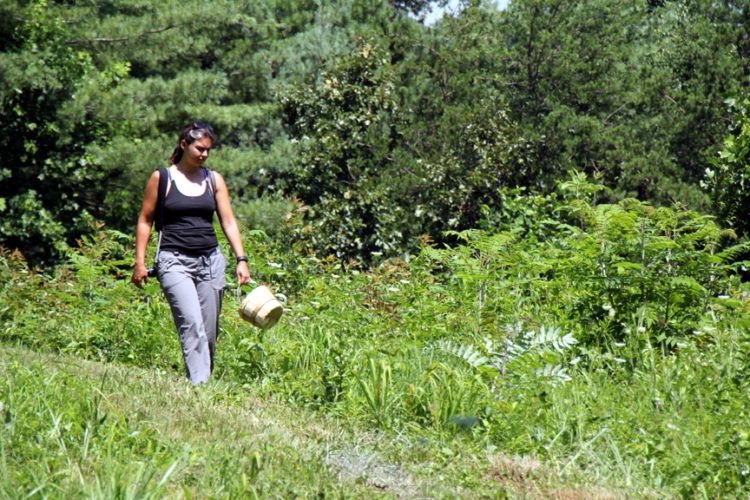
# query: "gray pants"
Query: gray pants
{"points": [[194, 287]]}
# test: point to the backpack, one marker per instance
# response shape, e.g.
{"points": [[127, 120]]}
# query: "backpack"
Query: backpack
{"points": [[165, 180]]}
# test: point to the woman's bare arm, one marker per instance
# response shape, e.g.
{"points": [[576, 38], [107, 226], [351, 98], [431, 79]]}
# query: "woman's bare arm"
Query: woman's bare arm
{"points": [[229, 225], [143, 229]]}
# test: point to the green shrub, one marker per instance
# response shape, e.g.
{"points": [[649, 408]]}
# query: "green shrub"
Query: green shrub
{"points": [[728, 178]]}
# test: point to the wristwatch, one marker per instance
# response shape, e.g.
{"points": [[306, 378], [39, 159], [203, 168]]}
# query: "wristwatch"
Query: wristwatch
{"points": [[241, 258]]}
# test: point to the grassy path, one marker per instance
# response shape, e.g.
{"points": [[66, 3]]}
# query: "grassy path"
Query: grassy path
{"points": [[105, 430], [77, 428], [81, 429]]}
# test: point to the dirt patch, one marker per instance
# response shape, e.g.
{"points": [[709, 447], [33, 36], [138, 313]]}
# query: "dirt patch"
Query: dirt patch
{"points": [[530, 478]]}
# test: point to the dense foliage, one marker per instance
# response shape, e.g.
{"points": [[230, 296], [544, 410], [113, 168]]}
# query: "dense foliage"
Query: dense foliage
{"points": [[423, 197], [386, 129], [728, 177], [588, 334]]}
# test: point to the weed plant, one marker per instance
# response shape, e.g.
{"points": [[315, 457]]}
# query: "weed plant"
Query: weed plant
{"points": [[609, 341]]}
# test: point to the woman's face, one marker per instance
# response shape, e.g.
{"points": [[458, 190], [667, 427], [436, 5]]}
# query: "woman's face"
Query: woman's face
{"points": [[197, 151]]}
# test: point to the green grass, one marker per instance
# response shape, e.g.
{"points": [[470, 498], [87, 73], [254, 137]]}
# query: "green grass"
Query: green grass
{"points": [[83, 429], [76, 428], [570, 363], [102, 430]]}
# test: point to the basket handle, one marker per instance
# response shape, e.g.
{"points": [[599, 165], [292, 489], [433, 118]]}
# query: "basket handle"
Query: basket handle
{"points": [[238, 290]]}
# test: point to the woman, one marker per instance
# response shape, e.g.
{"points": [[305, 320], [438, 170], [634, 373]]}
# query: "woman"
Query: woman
{"points": [[190, 265]]}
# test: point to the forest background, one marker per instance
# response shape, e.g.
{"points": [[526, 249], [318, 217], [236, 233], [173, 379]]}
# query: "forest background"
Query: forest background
{"points": [[520, 230], [387, 129]]}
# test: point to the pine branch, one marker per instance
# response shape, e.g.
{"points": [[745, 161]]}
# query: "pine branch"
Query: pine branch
{"points": [[121, 39]]}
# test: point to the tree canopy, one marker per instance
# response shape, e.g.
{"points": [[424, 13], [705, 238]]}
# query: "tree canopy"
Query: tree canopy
{"points": [[384, 128]]}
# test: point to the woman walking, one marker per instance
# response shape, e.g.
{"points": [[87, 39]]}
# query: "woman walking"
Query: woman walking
{"points": [[190, 267]]}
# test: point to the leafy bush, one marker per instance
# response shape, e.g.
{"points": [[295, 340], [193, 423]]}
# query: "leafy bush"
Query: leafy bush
{"points": [[603, 265], [728, 178], [346, 130], [88, 307]]}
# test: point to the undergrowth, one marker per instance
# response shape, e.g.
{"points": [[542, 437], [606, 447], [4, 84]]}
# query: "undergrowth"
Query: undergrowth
{"points": [[605, 338]]}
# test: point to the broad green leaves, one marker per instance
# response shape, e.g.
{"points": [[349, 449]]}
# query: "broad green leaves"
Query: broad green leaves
{"points": [[728, 178], [346, 131]]}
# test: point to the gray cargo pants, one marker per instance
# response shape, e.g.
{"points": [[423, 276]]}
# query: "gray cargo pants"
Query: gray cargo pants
{"points": [[194, 287]]}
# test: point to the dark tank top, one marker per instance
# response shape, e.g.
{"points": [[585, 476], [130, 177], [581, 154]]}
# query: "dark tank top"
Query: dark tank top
{"points": [[188, 222]]}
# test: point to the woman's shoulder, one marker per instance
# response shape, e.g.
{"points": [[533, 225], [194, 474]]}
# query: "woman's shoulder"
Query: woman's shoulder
{"points": [[158, 171], [155, 176], [217, 177]]}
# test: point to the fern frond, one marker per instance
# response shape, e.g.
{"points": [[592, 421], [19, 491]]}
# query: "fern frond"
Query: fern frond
{"points": [[493, 244], [554, 374], [550, 337], [467, 235], [434, 254], [464, 351], [732, 253]]}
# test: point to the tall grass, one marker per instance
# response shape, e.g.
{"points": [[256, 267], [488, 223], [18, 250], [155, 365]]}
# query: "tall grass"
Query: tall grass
{"points": [[77, 429]]}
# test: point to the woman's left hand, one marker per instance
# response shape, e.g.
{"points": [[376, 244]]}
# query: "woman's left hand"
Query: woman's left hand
{"points": [[243, 273]]}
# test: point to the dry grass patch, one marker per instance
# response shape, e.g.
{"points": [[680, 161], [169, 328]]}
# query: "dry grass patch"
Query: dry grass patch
{"points": [[528, 477]]}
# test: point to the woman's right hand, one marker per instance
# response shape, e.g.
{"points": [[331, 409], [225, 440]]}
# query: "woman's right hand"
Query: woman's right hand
{"points": [[140, 275]]}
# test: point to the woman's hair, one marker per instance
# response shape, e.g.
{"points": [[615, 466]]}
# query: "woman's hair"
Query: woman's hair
{"points": [[191, 133]]}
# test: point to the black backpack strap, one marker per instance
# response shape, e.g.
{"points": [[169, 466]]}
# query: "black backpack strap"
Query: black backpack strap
{"points": [[164, 179]]}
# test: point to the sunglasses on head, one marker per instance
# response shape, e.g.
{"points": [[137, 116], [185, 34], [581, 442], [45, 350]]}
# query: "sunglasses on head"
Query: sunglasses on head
{"points": [[199, 129], [202, 126]]}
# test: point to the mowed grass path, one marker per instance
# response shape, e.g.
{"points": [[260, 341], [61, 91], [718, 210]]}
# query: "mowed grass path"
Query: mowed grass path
{"points": [[80, 429], [73, 428]]}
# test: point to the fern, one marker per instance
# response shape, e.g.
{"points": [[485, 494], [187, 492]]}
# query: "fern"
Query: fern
{"points": [[546, 338], [466, 352], [553, 374], [521, 354], [434, 254], [731, 254]]}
